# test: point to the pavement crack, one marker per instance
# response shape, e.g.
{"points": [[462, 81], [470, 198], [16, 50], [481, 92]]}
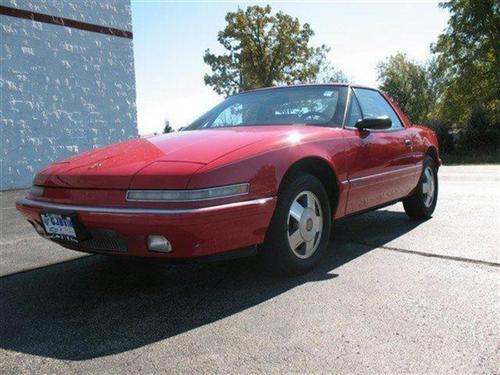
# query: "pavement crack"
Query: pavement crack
{"points": [[430, 255]]}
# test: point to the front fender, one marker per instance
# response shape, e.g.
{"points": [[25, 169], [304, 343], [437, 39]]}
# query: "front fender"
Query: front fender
{"points": [[264, 169]]}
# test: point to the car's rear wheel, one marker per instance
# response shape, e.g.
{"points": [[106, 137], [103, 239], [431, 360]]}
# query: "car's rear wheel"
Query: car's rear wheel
{"points": [[300, 229], [422, 203]]}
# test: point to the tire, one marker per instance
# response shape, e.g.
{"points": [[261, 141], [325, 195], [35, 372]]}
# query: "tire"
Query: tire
{"points": [[308, 226], [420, 205]]}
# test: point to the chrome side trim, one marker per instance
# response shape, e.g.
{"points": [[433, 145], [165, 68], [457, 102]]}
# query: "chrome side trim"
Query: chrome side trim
{"points": [[359, 180], [136, 211]]}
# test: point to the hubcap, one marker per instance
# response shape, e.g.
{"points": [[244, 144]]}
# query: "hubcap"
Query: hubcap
{"points": [[305, 224], [428, 187]]}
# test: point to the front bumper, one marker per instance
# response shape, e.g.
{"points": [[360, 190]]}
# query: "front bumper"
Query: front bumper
{"points": [[196, 232]]}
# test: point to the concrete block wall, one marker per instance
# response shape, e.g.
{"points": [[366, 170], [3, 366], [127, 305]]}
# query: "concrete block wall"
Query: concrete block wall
{"points": [[63, 90]]}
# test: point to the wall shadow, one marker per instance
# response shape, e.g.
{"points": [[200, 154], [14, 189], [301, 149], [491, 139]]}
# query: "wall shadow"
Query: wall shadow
{"points": [[97, 306]]}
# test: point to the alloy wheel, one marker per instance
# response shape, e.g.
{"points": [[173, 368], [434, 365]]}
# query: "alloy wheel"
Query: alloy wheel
{"points": [[305, 224], [428, 186]]}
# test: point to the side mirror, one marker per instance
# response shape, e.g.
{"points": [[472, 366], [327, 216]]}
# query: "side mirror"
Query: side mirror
{"points": [[375, 123]]}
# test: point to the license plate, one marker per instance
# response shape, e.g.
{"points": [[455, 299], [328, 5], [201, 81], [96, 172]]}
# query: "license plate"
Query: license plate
{"points": [[60, 226]]}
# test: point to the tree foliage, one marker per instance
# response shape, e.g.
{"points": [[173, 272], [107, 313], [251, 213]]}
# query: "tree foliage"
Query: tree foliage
{"points": [[167, 128], [409, 84], [468, 60], [459, 89], [262, 49]]}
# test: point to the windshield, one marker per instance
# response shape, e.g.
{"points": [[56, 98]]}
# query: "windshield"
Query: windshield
{"points": [[315, 105]]}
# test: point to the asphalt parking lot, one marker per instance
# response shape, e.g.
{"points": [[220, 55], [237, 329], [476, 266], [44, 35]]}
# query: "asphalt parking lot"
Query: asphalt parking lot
{"points": [[393, 296]]}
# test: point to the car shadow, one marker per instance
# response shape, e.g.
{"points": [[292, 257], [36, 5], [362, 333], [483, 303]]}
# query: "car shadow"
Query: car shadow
{"points": [[97, 306]]}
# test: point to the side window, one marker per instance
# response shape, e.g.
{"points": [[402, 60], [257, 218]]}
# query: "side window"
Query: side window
{"points": [[354, 113], [374, 104]]}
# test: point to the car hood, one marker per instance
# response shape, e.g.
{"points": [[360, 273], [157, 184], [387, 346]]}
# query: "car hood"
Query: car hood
{"points": [[180, 155]]}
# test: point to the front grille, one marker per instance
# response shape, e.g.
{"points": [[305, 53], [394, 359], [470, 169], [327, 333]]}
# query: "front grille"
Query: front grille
{"points": [[101, 240]]}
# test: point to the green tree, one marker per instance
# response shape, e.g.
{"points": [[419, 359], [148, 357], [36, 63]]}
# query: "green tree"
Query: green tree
{"points": [[409, 84], [263, 50], [167, 128], [468, 60], [330, 74]]}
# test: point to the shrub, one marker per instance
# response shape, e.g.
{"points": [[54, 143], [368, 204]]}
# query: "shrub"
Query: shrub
{"points": [[480, 134], [445, 139]]}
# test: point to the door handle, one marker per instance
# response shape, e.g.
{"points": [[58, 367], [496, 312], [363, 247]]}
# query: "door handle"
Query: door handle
{"points": [[408, 142]]}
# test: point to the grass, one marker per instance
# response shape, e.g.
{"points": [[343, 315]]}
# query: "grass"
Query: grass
{"points": [[471, 158]]}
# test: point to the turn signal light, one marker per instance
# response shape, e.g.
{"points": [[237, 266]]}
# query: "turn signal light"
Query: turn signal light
{"points": [[36, 191]]}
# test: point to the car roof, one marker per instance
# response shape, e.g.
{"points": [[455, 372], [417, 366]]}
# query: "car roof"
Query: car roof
{"points": [[308, 85]]}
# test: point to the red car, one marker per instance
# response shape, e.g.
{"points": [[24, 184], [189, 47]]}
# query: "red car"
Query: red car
{"points": [[266, 170]]}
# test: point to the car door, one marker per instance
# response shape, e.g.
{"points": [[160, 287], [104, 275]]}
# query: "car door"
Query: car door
{"points": [[380, 163]]}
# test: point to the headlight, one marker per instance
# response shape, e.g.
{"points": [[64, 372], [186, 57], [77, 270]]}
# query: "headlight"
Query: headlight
{"points": [[36, 191], [188, 195]]}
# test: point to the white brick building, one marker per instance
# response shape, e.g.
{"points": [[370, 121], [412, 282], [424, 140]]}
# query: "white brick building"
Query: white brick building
{"points": [[64, 89]]}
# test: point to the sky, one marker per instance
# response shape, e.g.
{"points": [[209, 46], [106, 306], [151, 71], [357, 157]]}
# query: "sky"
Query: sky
{"points": [[170, 39]]}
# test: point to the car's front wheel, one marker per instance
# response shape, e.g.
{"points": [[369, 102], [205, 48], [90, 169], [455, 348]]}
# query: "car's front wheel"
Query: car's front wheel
{"points": [[300, 229]]}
